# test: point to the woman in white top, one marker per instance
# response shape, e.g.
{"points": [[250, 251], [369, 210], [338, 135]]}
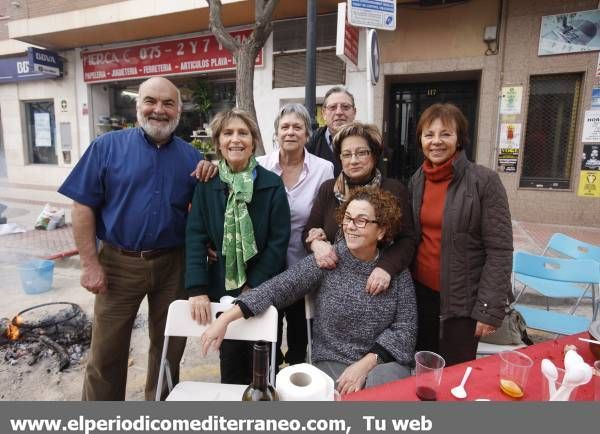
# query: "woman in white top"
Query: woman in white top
{"points": [[302, 173]]}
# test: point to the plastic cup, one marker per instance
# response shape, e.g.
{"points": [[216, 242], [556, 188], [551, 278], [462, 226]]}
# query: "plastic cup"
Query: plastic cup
{"points": [[547, 395], [428, 368], [596, 380], [514, 370]]}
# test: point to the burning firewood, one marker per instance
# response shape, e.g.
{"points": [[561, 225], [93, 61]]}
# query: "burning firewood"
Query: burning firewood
{"points": [[39, 331]]}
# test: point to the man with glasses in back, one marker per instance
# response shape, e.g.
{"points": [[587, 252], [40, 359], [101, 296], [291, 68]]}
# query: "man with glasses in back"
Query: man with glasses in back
{"points": [[338, 109]]}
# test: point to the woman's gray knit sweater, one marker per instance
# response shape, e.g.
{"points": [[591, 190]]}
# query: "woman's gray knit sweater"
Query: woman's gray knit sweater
{"points": [[348, 321]]}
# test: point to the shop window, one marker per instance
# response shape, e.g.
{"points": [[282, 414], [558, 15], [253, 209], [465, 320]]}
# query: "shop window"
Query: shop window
{"points": [[202, 100], [289, 69], [41, 132], [550, 136]]}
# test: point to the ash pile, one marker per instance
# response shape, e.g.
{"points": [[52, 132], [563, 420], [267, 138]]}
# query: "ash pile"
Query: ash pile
{"points": [[60, 330]]}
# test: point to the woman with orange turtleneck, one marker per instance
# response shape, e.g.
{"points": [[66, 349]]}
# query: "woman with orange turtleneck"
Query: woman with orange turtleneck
{"points": [[464, 256]]}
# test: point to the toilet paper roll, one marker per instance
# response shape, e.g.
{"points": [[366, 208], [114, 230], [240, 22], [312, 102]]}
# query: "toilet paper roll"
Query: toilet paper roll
{"points": [[227, 299], [304, 382]]}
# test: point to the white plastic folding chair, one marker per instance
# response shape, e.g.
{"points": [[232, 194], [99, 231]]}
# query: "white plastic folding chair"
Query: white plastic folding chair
{"points": [[180, 323]]}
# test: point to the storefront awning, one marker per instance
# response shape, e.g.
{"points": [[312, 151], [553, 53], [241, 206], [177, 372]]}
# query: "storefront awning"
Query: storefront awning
{"points": [[139, 19]]}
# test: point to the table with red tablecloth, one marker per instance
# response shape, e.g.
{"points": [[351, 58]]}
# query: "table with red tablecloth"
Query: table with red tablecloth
{"points": [[484, 382]]}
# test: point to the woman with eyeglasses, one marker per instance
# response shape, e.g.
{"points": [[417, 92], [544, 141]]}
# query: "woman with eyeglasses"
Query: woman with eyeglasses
{"points": [[357, 339], [359, 148], [464, 257]]}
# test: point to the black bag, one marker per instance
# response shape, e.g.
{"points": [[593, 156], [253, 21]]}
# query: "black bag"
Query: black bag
{"points": [[513, 330]]}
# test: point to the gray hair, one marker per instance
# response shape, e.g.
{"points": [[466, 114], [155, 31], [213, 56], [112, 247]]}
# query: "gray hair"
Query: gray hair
{"points": [[298, 110], [338, 89]]}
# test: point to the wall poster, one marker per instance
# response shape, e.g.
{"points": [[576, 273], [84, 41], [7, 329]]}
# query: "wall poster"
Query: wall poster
{"points": [[591, 127], [570, 33], [589, 177], [590, 160], [509, 142], [510, 103], [43, 132], [595, 103], [589, 184]]}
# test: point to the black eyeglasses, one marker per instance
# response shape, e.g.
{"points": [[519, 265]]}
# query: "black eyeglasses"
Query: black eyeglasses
{"points": [[359, 222]]}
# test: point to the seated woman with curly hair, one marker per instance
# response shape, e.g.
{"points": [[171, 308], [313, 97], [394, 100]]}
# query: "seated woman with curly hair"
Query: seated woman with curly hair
{"points": [[358, 339]]}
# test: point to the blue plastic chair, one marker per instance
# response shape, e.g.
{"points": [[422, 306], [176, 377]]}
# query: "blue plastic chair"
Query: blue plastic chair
{"points": [[572, 248], [576, 249], [553, 277]]}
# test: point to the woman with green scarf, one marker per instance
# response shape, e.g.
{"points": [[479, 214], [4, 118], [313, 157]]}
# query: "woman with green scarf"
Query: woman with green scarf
{"points": [[242, 214]]}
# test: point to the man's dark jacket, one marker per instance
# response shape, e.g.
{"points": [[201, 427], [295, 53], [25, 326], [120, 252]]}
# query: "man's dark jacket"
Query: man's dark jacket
{"points": [[317, 145]]}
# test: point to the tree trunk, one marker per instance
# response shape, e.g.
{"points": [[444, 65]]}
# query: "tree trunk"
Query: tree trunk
{"points": [[244, 84], [245, 53]]}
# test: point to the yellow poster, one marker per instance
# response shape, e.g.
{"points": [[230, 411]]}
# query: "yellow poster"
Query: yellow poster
{"points": [[589, 183]]}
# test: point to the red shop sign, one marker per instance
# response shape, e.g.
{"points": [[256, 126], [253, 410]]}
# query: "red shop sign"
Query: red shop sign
{"points": [[179, 56]]}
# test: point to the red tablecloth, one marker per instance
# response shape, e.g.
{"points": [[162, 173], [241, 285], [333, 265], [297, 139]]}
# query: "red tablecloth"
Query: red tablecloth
{"points": [[484, 380]]}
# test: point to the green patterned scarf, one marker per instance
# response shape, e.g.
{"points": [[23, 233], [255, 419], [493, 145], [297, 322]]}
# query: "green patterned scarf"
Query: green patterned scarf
{"points": [[238, 234]]}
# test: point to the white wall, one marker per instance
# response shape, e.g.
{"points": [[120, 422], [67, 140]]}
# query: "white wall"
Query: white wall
{"points": [[268, 100], [84, 100], [10, 112], [14, 126]]}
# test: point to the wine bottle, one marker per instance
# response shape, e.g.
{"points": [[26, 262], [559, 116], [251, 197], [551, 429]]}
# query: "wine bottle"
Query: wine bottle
{"points": [[260, 389]]}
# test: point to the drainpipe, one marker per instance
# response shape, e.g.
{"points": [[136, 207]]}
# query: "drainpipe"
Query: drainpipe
{"points": [[501, 35]]}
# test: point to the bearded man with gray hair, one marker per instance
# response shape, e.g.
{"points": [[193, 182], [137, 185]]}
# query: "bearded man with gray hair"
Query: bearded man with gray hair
{"points": [[131, 191]]}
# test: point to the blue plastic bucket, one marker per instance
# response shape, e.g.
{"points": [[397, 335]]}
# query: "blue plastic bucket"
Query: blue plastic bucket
{"points": [[36, 275]]}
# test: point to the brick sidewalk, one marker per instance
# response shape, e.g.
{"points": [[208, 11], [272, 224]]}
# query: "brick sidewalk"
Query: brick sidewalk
{"points": [[533, 237], [38, 243]]}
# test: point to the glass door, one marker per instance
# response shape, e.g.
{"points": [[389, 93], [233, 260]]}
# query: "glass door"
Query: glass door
{"points": [[41, 132], [407, 103]]}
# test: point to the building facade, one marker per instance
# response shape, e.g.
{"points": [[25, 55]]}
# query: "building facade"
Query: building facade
{"points": [[515, 68]]}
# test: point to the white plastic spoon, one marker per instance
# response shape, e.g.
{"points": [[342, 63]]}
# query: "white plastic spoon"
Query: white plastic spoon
{"points": [[576, 376], [591, 341], [572, 358], [551, 373], [459, 391]]}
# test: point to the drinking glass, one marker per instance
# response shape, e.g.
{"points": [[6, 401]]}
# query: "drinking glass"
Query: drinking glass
{"points": [[514, 370], [429, 368]]}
